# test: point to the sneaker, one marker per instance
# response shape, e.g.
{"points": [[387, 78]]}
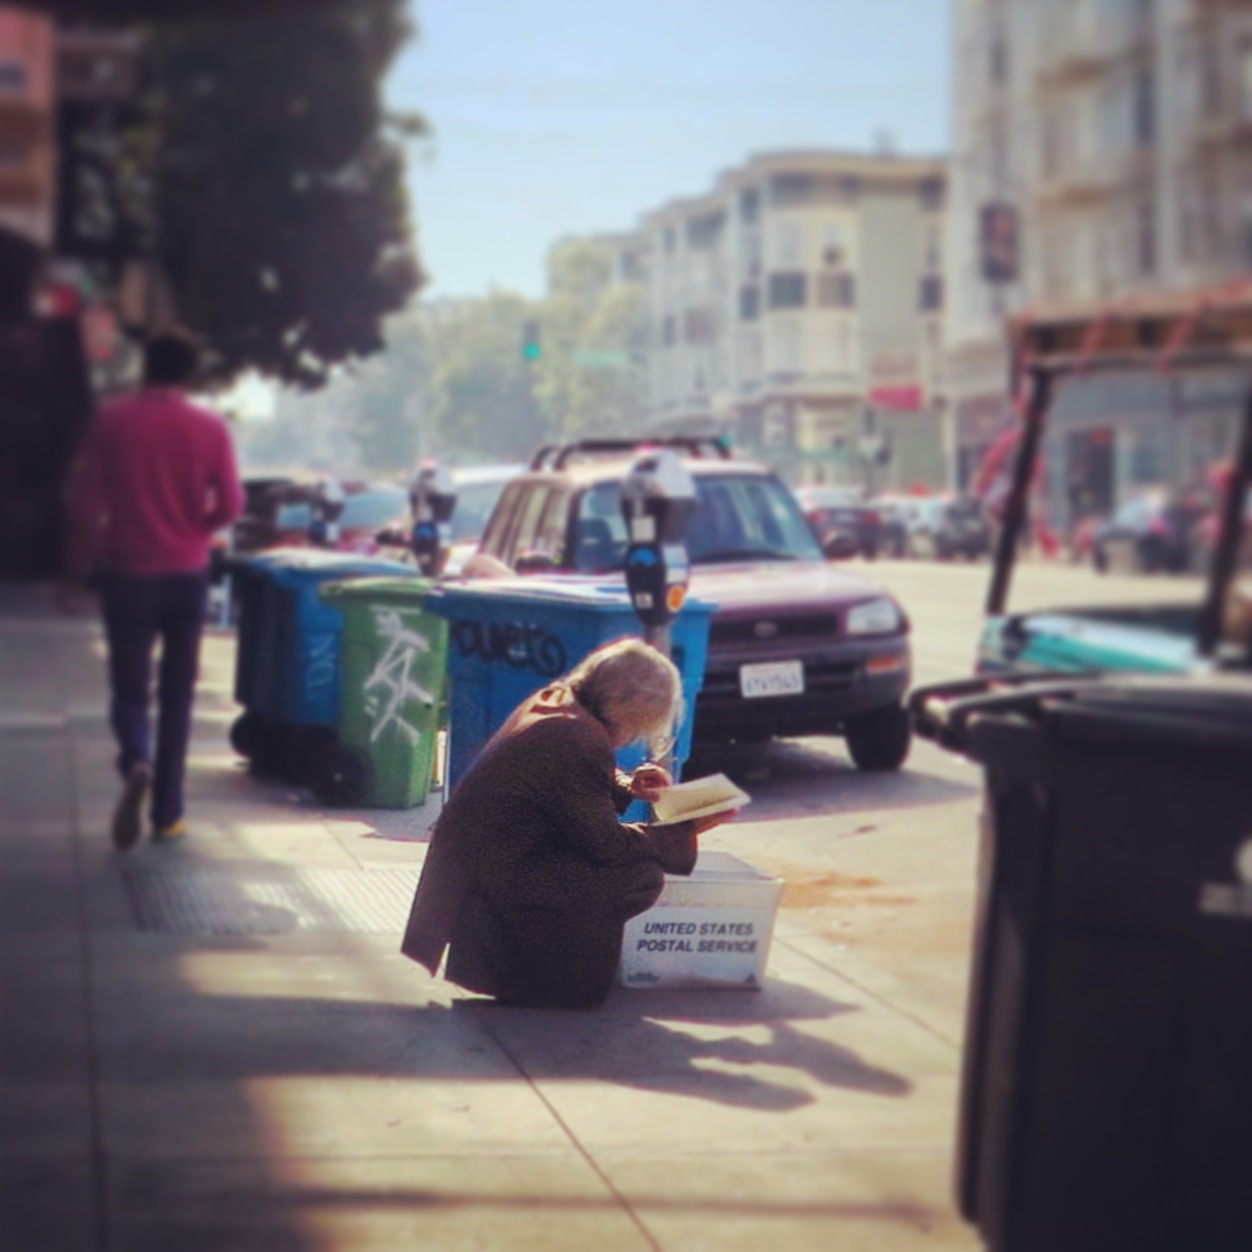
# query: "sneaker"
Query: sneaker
{"points": [[166, 834], [127, 820]]}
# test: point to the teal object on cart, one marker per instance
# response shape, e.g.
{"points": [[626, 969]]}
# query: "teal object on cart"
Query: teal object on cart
{"points": [[507, 640], [1150, 639]]}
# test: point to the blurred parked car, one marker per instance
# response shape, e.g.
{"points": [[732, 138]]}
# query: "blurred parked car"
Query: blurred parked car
{"points": [[477, 491], [1148, 535], [280, 514], [843, 523], [795, 647], [942, 527], [895, 514]]}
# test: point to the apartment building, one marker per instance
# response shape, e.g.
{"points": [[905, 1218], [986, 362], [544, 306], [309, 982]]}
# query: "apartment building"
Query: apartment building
{"points": [[797, 306], [1117, 132]]}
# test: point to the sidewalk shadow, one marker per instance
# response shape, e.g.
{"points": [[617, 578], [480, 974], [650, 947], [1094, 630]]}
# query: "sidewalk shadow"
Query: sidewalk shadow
{"points": [[636, 1040], [651, 1040], [243, 1038]]}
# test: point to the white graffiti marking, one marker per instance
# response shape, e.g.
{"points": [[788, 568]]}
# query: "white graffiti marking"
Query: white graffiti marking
{"points": [[391, 685]]}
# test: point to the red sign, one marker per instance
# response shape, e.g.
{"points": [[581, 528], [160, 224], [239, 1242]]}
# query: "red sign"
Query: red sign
{"points": [[908, 398]]}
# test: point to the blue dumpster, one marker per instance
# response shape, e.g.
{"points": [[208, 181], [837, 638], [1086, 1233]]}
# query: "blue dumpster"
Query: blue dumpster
{"points": [[256, 733], [287, 667], [256, 652], [309, 631], [507, 640]]}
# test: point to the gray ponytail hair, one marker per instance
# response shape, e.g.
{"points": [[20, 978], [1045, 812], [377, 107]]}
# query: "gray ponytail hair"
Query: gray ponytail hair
{"points": [[628, 684]]}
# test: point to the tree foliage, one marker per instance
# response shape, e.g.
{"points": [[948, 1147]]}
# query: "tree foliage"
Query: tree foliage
{"points": [[270, 185], [587, 380], [391, 431], [482, 397], [451, 383], [284, 218]]}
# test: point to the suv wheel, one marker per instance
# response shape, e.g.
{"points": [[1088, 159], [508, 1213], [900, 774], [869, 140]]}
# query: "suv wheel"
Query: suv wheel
{"points": [[879, 740]]}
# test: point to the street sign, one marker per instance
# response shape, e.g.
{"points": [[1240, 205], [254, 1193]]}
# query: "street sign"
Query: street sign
{"points": [[601, 358]]}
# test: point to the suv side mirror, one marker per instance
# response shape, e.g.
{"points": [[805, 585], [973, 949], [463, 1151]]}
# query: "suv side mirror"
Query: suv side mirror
{"points": [[533, 562]]}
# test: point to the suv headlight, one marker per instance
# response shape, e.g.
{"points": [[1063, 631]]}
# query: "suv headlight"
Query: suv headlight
{"points": [[874, 617]]}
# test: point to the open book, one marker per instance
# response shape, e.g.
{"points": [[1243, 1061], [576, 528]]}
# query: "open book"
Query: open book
{"points": [[701, 797]]}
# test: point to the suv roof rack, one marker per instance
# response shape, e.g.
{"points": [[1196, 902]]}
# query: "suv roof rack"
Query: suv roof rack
{"points": [[555, 456]]}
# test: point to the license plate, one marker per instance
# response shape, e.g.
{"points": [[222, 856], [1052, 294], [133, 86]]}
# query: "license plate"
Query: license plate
{"points": [[772, 678]]}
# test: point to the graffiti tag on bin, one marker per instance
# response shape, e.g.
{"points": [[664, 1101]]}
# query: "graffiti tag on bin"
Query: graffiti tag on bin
{"points": [[521, 645]]}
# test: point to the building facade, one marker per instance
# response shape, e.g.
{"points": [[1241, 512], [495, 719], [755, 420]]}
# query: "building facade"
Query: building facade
{"points": [[798, 305], [1116, 133]]}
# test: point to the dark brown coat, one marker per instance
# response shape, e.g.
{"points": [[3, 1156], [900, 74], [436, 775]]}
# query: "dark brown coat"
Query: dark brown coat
{"points": [[531, 874]]}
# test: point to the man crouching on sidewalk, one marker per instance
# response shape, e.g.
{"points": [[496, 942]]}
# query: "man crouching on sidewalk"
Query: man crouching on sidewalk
{"points": [[155, 479]]}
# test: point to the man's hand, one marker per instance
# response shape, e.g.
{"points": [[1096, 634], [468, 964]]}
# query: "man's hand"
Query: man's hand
{"points": [[649, 780]]}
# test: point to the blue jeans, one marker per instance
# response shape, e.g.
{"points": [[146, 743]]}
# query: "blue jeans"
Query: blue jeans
{"points": [[139, 610]]}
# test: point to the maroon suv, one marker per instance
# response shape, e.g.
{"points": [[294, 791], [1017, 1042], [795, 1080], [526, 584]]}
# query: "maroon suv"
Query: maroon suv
{"points": [[796, 646]]}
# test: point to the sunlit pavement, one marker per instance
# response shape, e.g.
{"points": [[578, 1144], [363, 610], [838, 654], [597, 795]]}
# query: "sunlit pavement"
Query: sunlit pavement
{"points": [[260, 1069]]}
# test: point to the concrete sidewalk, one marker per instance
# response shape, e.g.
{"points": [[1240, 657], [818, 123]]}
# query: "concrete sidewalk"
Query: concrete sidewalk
{"points": [[216, 1045]]}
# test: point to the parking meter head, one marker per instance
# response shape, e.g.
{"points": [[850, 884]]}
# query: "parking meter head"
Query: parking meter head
{"points": [[432, 497], [327, 508], [432, 493], [658, 499], [659, 487]]}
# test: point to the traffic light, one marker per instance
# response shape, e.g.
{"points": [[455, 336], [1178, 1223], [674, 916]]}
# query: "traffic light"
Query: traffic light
{"points": [[998, 242], [532, 348]]}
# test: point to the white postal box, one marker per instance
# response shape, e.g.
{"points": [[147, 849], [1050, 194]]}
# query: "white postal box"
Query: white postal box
{"points": [[712, 929]]}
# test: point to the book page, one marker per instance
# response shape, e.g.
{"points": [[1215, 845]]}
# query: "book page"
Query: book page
{"points": [[701, 797]]}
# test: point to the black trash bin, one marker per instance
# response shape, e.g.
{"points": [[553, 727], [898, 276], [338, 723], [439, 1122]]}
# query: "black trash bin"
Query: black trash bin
{"points": [[1107, 1090]]}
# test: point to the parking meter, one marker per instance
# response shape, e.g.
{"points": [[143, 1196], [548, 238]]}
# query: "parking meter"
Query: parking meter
{"points": [[326, 510], [658, 499], [432, 497]]}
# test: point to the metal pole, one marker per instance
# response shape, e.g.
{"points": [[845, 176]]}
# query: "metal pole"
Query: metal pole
{"points": [[1023, 477], [1229, 541]]}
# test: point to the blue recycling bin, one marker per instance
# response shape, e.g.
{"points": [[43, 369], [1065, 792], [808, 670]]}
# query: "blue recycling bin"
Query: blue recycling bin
{"points": [[256, 652], [287, 662], [507, 640], [310, 630]]}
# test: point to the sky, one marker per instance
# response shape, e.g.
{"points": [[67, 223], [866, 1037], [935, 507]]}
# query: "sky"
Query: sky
{"points": [[556, 117]]}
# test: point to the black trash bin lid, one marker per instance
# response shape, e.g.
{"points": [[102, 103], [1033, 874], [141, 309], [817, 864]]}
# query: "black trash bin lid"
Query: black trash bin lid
{"points": [[1206, 712]]}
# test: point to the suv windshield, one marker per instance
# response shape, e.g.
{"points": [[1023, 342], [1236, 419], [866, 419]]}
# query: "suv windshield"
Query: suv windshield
{"points": [[474, 502], [748, 517]]}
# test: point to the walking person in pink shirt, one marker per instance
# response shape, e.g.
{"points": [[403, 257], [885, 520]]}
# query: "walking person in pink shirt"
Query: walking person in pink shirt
{"points": [[155, 480]]}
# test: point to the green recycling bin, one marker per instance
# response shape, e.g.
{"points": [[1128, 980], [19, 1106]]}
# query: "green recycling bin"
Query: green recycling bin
{"points": [[392, 679]]}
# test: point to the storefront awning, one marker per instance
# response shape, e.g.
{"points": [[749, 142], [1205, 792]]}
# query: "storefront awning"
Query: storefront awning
{"points": [[1165, 331]]}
